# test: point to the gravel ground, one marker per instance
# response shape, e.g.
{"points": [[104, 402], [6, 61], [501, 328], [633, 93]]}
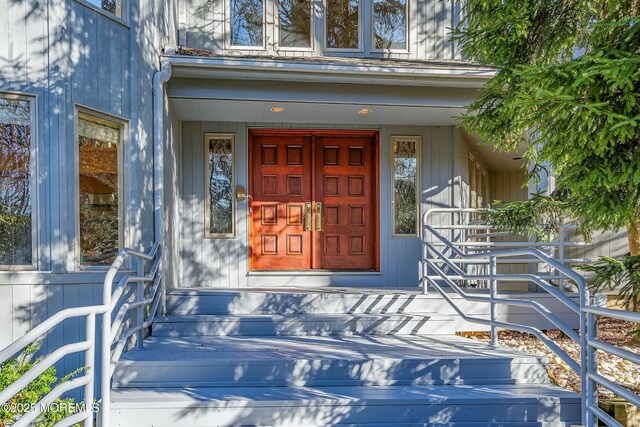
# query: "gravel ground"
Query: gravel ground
{"points": [[609, 330]]}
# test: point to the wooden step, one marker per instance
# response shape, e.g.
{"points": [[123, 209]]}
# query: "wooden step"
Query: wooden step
{"points": [[205, 361], [527, 405], [303, 324], [291, 301]]}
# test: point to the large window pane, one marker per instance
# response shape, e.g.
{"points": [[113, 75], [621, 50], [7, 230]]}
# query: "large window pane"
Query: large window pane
{"points": [[99, 142], [15, 182], [406, 184], [246, 21], [343, 24], [219, 185], [294, 21], [390, 24]]}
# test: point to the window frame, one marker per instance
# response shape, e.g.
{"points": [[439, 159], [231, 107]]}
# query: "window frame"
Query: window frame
{"points": [[407, 31], [478, 183], [232, 137], [33, 179], [123, 19], [312, 30], [227, 28], [325, 15], [418, 141], [123, 195]]}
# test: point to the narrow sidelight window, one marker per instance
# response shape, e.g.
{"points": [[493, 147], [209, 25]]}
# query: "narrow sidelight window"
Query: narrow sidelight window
{"points": [[99, 146], [246, 19], [111, 6], [343, 24], [294, 23], [16, 229], [219, 185], [390, 24], [406, 185]]}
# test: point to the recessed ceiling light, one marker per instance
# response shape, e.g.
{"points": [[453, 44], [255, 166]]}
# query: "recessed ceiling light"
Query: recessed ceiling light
{"points": [[277, 109], [365, 111]]}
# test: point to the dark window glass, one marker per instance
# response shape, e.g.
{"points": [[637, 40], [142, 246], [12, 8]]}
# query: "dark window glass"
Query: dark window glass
{"points": [[15, 182], [390, 24], [111, 6], [405, 185], [294, 20], [247, 17], [99, 142], [220, 182], [343, 22]]}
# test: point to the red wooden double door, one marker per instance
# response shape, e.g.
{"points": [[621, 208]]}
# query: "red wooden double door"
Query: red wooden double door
{"points": [[313, 200]]}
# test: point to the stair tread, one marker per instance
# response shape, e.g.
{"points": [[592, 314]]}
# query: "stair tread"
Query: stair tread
{"points": [[339, 395], [205, 349], [176, 318]]}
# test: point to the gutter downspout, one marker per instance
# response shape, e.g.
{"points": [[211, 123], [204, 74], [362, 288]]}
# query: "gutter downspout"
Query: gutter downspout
{"points": [[159, 79]]}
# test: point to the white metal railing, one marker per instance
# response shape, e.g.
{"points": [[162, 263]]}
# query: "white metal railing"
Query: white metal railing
{"points": [[86, 381], [145, 299], [443, 263]]}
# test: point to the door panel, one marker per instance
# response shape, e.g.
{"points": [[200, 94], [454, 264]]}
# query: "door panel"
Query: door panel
{"points": [[314, 199], [280, 186], [345, 186]]}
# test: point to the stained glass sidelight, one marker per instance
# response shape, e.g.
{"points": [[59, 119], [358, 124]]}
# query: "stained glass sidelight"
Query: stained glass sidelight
{"points": [[246, 19], [220, 179], [343, 24], [406, 183], [390, 24], [294, 23], [15, 182], [99, 179]]}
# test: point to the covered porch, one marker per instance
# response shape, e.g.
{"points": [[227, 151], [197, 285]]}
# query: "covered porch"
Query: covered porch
{"points": [[231, 98]]}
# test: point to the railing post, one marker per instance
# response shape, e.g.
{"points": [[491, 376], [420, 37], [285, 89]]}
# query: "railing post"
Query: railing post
{"points": [[588, 360], [90, 365], [163, 283], [493, 292], [105, 358], [140, 262], [561, 258]]}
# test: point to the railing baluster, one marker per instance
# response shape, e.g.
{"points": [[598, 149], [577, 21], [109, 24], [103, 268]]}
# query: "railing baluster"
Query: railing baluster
{"points": [[90, 365], [493, 292], [139, 297]]}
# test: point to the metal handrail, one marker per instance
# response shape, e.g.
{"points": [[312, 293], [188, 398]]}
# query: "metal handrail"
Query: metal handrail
{"points": [[112, 296], [87, 346], [587, 368]]}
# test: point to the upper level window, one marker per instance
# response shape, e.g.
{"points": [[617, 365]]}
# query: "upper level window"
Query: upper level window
{"points": [[390, 24], [111, 6], [16, 231], [99, 142], [343, 24], [246, 21], [406, 185], [294, 23]]}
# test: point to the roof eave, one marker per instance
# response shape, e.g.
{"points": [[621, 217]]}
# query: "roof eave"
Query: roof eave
{"points": [[273, 69]]}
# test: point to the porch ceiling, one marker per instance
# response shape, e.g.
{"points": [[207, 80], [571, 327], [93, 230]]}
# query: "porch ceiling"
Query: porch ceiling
{"points": [[304, 102]]}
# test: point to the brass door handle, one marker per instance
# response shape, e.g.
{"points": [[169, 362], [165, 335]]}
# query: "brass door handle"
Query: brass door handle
{"points": [[318, 216], [307, 216]]}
